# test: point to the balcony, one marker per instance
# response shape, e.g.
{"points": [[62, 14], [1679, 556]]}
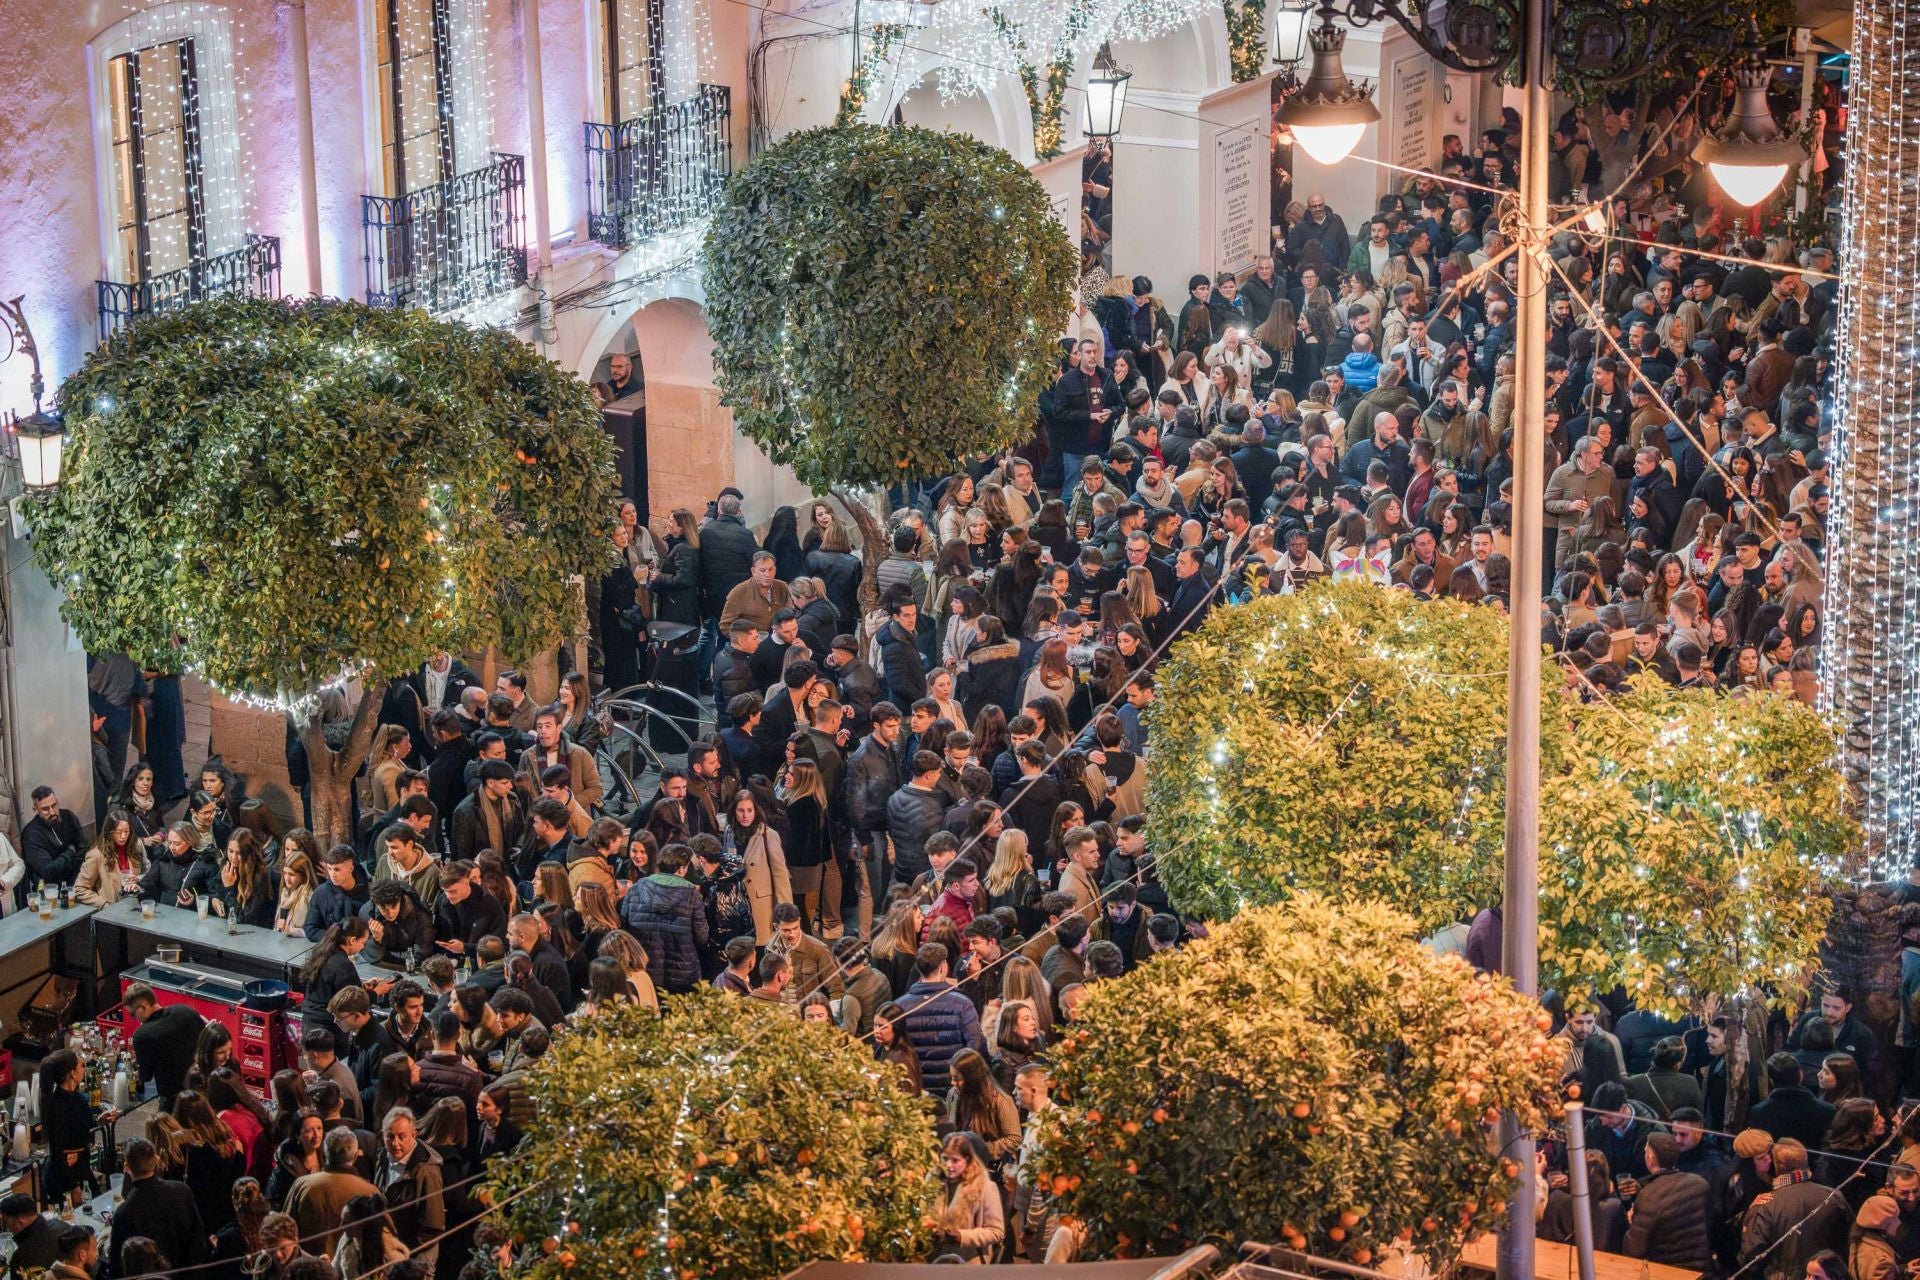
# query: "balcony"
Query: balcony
{"points": [[252, 270], [451, 245], [659, 172]]}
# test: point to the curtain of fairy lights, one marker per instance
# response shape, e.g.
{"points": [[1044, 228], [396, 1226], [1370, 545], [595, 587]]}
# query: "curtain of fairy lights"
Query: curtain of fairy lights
{"points": [[1871, 654]]}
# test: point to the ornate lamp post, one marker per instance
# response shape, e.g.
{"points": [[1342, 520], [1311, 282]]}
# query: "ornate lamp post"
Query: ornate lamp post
{"points": [[40, 437], [1598, 43]]}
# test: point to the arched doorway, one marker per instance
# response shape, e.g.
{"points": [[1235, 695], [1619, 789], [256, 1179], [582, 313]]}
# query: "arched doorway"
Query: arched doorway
{"points": [[679, 445]]}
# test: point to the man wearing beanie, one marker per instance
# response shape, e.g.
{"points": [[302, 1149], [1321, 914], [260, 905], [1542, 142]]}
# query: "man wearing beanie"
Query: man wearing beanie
{"points": [[1799, 1220], [1668, 1221], [1870, 1251]]}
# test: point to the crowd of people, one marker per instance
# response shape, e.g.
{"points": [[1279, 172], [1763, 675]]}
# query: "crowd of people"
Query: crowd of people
{"points": [[921, 814]]}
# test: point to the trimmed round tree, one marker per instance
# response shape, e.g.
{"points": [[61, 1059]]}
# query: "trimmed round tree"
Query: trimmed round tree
{"points": [[283, 496], [722, 1140], [1308, 1075], [839, 257], [1344, 740], [1350, 741]]}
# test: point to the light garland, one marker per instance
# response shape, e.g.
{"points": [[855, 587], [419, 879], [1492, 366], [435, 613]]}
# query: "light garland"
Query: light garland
{"points": [[1871, 612], [980, 43], [214, 111]]}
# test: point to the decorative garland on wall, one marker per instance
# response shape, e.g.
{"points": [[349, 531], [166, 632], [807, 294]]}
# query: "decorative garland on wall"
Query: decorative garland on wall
{"points": [[1046, 97], [853, 98], [1246, 37]]}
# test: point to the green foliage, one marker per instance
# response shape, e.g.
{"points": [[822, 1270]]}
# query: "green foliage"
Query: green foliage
{"points": [[725, 1140], [1246, 37], [1688, 848], [1309, 1075], [838, 255], [295, 489], [853, 98], [1351, 741], [1333, 735]]}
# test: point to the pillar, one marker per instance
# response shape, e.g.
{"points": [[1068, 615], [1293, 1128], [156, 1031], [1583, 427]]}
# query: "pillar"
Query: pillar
{"points": [[1870, 657]]}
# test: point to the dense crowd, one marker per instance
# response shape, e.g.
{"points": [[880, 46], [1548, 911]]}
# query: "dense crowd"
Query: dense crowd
{"points": [[921, 814]]}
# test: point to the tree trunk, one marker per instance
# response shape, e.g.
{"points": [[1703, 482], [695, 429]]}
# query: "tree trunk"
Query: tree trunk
{"points": [[331, 772], [543, 676], [1745, 1053], [873, 545]]}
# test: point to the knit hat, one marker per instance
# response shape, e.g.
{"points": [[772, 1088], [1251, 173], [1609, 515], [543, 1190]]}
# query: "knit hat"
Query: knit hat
{"points": [[1879, 1213], [1749, 1143]]}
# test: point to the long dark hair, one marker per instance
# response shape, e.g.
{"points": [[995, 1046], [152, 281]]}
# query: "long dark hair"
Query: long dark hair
{"points": [[365, 1219], [331, 943], [392, 1086]]}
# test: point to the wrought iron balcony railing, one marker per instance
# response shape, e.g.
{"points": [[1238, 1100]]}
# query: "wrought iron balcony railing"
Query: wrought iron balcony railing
{"points": [[658, 172], [450, 245], [253, 269]]}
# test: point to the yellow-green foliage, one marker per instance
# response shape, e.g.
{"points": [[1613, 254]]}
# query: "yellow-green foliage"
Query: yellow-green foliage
{"points": [[1309, 1075], [1351, 740], [725, 1139]]}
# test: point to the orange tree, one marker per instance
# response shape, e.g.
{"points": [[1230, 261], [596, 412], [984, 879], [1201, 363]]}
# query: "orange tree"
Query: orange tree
{"points": [[1308, 1075], [723, 1140]]}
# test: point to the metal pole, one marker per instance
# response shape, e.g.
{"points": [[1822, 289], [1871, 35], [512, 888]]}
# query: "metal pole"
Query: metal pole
{"points": [[1809, 68], [1521, 907], [303, 139], [1577, 1184]]}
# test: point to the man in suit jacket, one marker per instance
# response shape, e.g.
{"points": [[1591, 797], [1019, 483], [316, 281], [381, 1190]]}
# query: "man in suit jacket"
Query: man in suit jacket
{"points": [[158, 1208]]}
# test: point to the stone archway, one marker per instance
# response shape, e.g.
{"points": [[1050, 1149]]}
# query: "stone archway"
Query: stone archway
{"points": [[688, 440]]}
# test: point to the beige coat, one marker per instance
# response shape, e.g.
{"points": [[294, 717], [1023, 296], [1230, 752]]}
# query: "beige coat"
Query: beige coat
{"points": [[767, 882], [98, 884]]}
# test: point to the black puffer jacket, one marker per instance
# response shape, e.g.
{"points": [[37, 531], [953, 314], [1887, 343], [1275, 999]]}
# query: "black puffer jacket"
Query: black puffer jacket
{"points": [[676, 591], [666, 914], [727, 548], [1669, 1223]]}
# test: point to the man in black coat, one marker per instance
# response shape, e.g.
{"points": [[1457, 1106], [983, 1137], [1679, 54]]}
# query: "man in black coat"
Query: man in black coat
{"points": [[727, 547], [1790, 1111], [413, 699], [1256, 461], [52, 843], [36, 1236], [1668, 1224], [1193, 596], [1086, 404], [902, 673], [158, 1208], [1651, 498], [447, 771], [464, 913]]}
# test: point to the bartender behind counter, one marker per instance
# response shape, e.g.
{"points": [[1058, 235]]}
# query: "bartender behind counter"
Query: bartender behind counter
{"points": [[164, 1045]]}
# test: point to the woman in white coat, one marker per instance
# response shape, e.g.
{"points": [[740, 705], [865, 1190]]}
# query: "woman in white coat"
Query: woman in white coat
{"points": [[766, 863]]}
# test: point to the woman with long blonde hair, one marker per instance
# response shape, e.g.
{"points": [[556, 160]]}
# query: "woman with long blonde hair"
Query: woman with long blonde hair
{"points": [[1010, 880]]}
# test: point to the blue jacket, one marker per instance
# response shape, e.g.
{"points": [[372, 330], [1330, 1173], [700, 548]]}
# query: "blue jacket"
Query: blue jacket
{"points": [[939, 1022], [1362, 370], [666, 914]]}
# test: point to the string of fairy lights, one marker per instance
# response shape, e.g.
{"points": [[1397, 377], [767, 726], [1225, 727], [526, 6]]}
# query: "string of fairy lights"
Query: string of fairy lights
{"points": [[1871, 610]]}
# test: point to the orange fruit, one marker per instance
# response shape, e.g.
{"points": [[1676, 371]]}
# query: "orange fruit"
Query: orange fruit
{"points": [[1301, 1110]]}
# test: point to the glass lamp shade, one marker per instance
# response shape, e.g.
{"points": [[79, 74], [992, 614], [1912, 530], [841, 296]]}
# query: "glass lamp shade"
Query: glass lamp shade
{"points": [[42, 439], [1747, 184], [1330, 113], [1328, 143], [1750, 156], [1106, 99]]}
